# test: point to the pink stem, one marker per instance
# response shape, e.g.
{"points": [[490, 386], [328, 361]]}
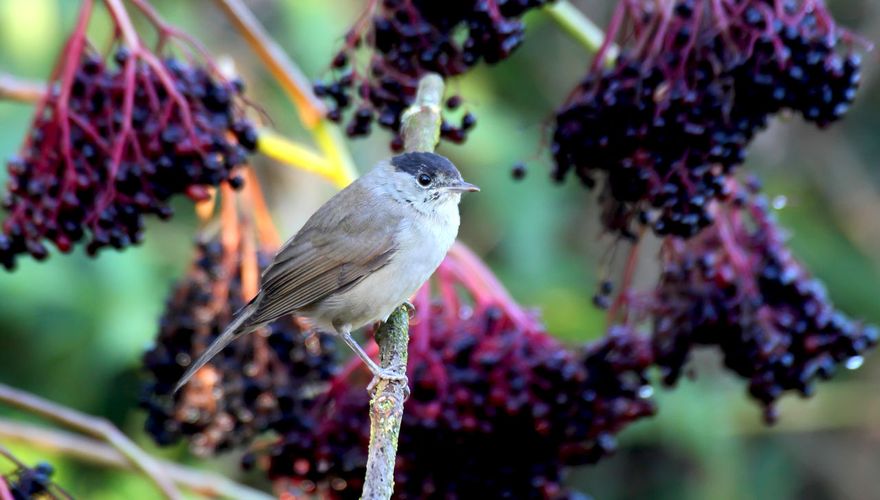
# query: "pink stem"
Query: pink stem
{"points": [[123, 22], [728, 240], [5, 494], [662, 28], [451, 304], [610, 34], [632, 261], [475, 269], [420, 329]]}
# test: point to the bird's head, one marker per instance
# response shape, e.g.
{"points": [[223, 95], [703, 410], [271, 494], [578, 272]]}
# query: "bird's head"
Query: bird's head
{"points": [[426, 180]]}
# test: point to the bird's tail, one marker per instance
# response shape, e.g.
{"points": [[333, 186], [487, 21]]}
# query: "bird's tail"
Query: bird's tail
{"points": [[239, 326]]}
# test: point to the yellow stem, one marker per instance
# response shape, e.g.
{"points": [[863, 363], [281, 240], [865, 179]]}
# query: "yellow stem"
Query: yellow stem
{"points": [[297, 155], [333, 146], [311, 110]]}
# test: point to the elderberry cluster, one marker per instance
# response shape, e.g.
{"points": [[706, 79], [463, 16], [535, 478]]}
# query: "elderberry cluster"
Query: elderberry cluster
{"points": [[665, 125], [26, 483], [502, 408], [746, 294], [113, 144], [262, 381], [410, 38]]}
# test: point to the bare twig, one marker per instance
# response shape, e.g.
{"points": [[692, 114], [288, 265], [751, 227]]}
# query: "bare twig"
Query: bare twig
{"points": [[205, 483], [95, 427], [421, 130], [310, 108], [13, 88], [297, 86]]}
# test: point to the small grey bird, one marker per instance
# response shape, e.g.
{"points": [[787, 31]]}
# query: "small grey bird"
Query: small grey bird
{"points": [[362, 254]]}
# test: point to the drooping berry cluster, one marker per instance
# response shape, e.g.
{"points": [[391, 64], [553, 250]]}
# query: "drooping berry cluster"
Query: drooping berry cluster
{"points": [[736, 286], [663, 127], [496, 400], [409, 38], [25, 483], [263, 381], [112, 142]]}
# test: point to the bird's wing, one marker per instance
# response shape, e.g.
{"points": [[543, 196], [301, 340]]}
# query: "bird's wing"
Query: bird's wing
{"points": [[334, 251]]}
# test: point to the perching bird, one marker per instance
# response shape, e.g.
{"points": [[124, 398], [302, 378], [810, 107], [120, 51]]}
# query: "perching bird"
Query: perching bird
{"points": [[363, 253]]}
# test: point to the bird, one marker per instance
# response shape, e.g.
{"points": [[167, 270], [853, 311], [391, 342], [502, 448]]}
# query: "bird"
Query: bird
{"points": [[362, 254]]}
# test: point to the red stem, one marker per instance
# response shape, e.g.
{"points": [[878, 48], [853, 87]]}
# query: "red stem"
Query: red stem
{"points": [[167, 30], [122, 136], [69, 59]]}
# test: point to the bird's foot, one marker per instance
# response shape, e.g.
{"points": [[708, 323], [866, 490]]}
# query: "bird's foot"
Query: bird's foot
{"points": [[386, 374]]}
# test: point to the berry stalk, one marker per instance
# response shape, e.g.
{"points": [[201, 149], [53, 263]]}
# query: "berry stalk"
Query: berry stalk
{"points": [[114, 140]]}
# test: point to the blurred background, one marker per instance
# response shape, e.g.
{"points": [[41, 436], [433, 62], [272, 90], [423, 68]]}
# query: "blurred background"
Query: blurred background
{"points": [[72, 329]]}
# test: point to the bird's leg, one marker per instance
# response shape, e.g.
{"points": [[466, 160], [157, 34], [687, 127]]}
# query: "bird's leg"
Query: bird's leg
{"points": [[379, 373]]}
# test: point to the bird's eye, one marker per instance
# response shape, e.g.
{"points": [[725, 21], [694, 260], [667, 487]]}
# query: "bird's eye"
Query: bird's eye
{"points": [[424, 179]]}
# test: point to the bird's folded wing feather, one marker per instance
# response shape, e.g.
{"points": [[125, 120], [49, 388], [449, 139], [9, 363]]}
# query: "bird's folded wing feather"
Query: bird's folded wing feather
{"points": [[334, 251]]}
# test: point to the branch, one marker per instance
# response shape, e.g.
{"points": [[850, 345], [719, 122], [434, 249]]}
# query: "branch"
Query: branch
{"points": [[421, 129], [95, 427], [421, 121], [581, 28], [205, 483], [386, 407], [13, 88]]}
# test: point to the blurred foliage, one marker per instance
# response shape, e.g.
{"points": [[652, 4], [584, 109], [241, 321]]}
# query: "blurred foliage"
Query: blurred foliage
{"points": [[72, 329]]}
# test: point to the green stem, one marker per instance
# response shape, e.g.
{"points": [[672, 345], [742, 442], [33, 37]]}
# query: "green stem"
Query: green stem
{"points": [[581, 28]]}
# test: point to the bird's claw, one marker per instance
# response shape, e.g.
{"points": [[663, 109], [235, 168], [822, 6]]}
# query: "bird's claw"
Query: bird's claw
{"points": [[386, 374], [410, 309]]}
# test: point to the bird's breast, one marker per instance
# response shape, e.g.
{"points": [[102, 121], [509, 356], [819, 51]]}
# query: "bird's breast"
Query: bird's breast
{"points": [[420, 246]]}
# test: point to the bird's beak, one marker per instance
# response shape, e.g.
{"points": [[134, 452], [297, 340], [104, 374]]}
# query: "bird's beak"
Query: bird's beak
{"points": [[463, 186]]}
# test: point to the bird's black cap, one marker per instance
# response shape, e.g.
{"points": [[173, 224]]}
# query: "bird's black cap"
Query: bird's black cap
{"points": [[427, 163]]}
